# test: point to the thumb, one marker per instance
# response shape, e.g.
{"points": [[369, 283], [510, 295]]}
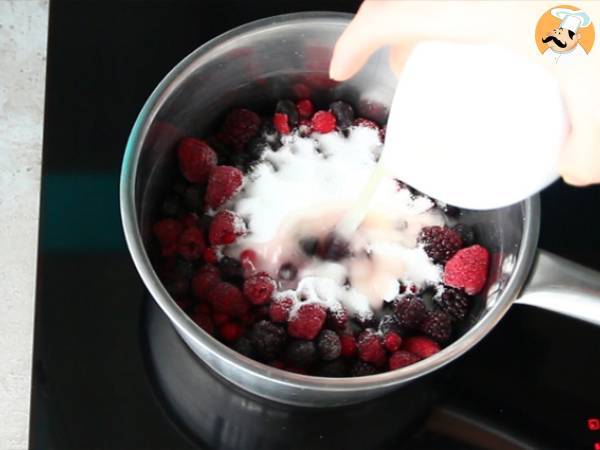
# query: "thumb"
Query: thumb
{"points": [[580, 160]]}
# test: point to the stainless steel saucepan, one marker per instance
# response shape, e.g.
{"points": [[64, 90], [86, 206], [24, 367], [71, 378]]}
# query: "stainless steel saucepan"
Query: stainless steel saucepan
{"points": [[287, 57]]}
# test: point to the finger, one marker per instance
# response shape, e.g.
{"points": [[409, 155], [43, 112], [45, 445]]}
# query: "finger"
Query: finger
{"points": [[398, 56], [579, 164]]}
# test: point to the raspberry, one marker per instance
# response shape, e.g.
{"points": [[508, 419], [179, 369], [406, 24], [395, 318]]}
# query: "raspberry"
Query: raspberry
{"points": [[223, 183], [437, 325], [301, 353], [305, 108], [455, 303], [365, 123], [230, 331], [267, 339], [370, 349], [343, 112], [203, 320], [323, 122], [348, 345], [288, 108], [191, 243], [467, 269], [332, 369], [466, 233], [248, 261], [210, 255], [258, 288], [228, 299], [392, 341], [281, 123], [409, 311], [238, 128], [328, 345], [362, 369], [307, 322], [225, 227], [440, 243], [196, 159], [402, 358], [279, 309], [167, 231], [220, 318], [421, 346], [204, 280]]}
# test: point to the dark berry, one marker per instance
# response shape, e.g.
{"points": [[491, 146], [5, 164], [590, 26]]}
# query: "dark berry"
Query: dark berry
{"points": [[301, 353], [239, 127], [309, 245], [451, 211], [440, 243], [289, 108], [179, 186], [362, 369], [334, 248], [287, 272], [344, 114], [402, 358], [267, 339], [177, 286], [466, 232], [332, 369], [455, 303], [171, 206], [231, 269], [193, 197], [437, 325], [387, 324], [409, 311], [328, 345], [244, 346], [307, 321], [184, 268]]}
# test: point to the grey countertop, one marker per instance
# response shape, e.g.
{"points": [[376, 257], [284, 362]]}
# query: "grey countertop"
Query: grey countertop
{"points": [[23, 35]]}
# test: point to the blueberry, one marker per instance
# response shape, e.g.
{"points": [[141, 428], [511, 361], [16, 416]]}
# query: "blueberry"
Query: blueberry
{"points": [[343, 112], [301, 353], [288, 107], [267, 339]]}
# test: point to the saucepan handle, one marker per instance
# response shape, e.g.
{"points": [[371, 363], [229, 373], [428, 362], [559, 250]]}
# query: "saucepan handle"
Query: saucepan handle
{"points": [[562, 286]]}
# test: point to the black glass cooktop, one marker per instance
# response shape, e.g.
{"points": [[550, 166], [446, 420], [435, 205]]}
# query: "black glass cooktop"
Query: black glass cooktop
{"points": [[110, 372]]}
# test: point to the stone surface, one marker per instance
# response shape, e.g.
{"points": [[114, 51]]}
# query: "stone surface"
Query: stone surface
{"points": [[23, 34]]}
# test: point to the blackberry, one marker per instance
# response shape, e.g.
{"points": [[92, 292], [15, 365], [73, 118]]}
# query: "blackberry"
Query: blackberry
{"points": [[437, 325], [440, 243], [178, 286], [184, 268], [288, 107], [343, 112], [328, 345], [309, 245], [192, 198], [267, 339], [179, 186], [231, 269], [244, 346], [362, 369], [301, 353], [332, 369], [455, 303], [466, 233], [409, 311], [171, 206]]}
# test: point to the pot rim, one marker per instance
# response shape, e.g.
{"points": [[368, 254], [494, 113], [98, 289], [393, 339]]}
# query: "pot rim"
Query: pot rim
{"points": [[531, 217]]}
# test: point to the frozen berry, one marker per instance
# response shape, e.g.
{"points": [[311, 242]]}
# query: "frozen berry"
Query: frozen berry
{"points": [[279, 309], [288, 108], [287, 272], [307, 321], [455, 303], [193, 197], [466, 233], [323, 122], [362, 369], [370, 348], [392, 341], [231, 269], [225, 228], [281, 123], [437, 325], [210, 255], [258, 288], [305, 108], [402, 358], [167, 231], [191, 243], [196, 159], [230, 331], [267, 339], [467, 269], [328, 345], [228, 299], [388, 324], [421, 346], [440, 243], [332, 369], [348, 345], [301, 353], [244, 346], [343, 112], [409, 311], [223, 183], [239, 127]]}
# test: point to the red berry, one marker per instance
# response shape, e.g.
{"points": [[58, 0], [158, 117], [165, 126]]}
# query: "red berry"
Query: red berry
{"points": [[370, 349], [204, 280], [402, 358], [281, 122], [196, 159], [167, 231], [366, 123], [191, 243], [230, 331], [223, 183], [225, 228], [258, 288], [323, 122], [468, 269], [220, 318], [348, 345], [204, 321], [421, 346], [211, 255], [307, 322], [248, 260], [305, 108], [279, 309], [228, 299], [238, 128], [392, 341]]}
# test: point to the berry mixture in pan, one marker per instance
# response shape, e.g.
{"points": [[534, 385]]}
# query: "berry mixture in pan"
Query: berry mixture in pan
{"points": [[246, 245]]}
